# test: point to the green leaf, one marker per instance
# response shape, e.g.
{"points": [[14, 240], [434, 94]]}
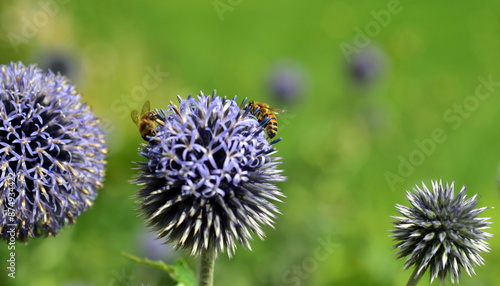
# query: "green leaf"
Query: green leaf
{"points": [[179, 271]]}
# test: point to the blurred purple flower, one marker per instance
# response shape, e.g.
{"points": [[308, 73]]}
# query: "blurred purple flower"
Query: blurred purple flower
{"points": [[286, 82], [154, 248], [58, 61], [366, 66]]}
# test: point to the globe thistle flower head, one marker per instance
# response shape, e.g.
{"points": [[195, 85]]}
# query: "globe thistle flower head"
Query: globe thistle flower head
{"points": [[209, 180], [441, 232], [52, 153]]}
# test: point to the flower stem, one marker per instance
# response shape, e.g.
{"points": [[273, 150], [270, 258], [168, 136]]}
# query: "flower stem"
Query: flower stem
{"points": [[415, 277], [206, 269]]}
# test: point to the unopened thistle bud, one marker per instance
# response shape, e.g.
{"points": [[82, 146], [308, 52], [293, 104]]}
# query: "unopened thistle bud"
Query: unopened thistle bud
{"points": [[440, 232]]}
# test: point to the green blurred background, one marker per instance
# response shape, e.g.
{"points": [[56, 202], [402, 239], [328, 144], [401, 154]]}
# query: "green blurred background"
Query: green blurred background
{"points": [[349, 123]]}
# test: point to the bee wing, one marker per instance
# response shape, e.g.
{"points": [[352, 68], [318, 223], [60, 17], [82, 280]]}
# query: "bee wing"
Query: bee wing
{"points": [[146, 107], [276, 110], [135, 116]]}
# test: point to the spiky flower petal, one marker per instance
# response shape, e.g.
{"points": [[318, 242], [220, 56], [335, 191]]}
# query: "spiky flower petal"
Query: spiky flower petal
{"points": [[441, 232], [52, 153], [209, 177]]}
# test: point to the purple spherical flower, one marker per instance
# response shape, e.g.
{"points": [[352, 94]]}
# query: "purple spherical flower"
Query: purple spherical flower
{"points": [[209, 180], [52, 153]]}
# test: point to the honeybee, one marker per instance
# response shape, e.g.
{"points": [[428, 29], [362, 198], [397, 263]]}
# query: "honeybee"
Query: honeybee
{"points": [[146, 120], [265, 111]]}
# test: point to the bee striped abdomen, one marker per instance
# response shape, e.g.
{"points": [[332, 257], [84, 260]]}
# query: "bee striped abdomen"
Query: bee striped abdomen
{"points": [[272, 126]]}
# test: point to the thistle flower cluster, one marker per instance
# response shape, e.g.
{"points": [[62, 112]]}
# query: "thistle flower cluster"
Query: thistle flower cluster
{"points": [[208, 181], [52, 153], [441, 232]]}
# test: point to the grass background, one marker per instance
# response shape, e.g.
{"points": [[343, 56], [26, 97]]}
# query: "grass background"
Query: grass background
{"points": [[340, 138]]}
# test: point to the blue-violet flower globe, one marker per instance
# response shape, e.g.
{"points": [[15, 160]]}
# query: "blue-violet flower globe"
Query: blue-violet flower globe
{"points": [[52, 153], [209, 179]]}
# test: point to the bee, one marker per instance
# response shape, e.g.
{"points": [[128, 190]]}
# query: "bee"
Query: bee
{"points": [[265, 111], [146, 120]]}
